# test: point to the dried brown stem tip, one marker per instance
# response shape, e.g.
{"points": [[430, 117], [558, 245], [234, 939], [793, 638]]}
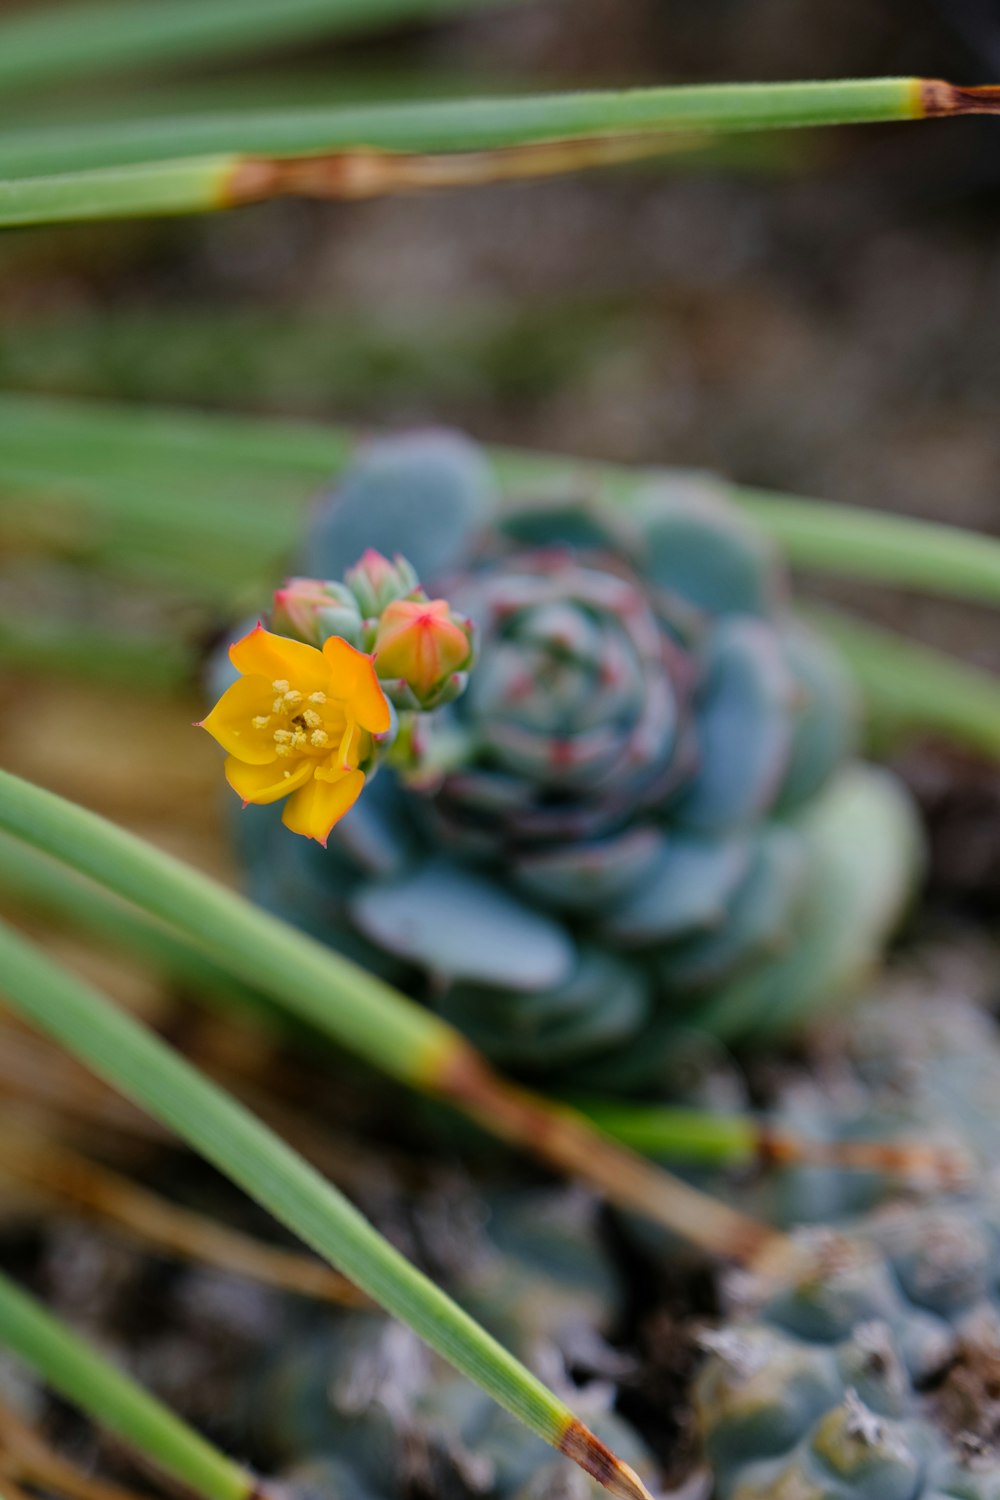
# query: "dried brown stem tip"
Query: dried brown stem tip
{"points": [[939, 99], [919, 1162], [580, 1444]]}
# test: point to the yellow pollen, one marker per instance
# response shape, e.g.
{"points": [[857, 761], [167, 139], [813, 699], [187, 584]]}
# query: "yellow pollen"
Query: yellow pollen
{"points": [[292, 697], [318, 738], [311, 718], [261, 721], [284, 749], [317, 697], [283, 736], [298, 739], [281, 685], [277, 705]]}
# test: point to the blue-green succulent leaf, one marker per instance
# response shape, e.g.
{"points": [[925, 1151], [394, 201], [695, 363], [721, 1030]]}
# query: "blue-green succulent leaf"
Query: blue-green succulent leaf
{"points": [[688, 540], [864, 858], [602, 1004], [688, 890], [762, 1399], [425, 495], [303, 883], [826, 718], [458, 925], [945, 1258], [760, 922], [586, 876], [575, 522], [744, 728], [855, 1287]]}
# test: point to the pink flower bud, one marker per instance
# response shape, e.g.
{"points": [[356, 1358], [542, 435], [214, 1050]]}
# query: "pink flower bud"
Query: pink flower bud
{"points": [[311, 610], [421, 642]]}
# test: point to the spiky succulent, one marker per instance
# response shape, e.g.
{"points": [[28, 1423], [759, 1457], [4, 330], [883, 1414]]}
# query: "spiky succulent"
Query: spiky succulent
{"points": [[636, 815], [875, 1374]]}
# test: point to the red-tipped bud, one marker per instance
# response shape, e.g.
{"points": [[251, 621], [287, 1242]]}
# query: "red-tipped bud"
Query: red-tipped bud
{"points": [[312, 609], [422, 643]]}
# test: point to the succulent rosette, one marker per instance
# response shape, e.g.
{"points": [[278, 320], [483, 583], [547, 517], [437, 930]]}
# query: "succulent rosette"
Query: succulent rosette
{"points": [[641, 814]]}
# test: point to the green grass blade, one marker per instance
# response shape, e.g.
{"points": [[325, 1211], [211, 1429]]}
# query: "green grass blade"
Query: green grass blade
{"points": [[110, 1396], [458, 125], [893, 549], [33, 882], [914, 688], [694, 1136], [131, 1058], [365, 1015], [55, 43], [371, 1019], [126, 459], [158, 189]]}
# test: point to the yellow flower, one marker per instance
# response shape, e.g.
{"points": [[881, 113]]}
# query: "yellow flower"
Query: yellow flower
{"points": [[298, 724]]}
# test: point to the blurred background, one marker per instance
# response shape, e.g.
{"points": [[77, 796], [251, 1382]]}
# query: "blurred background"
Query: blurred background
{"points": [[816, 312]]}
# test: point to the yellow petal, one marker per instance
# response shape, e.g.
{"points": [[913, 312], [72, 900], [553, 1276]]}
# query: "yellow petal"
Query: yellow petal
{"points": [[314, 810], [231, 721], [355, 682], [354, 747], [276, 657], [267, 783]]}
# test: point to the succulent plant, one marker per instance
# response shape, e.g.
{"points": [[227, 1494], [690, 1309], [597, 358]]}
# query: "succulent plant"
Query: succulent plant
{"points": [[875, 1372], [356, 1409], [641, 813]]}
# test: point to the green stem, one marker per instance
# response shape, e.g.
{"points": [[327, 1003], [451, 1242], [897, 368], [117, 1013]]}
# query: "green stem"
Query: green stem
{"points": [[31, 881], [111, 1397], [459, 125], [158, 189], [127, 1055], [123, 460], [53, 43], [891, 549], [366, 1015], [910, 687], [688, 1135]]}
